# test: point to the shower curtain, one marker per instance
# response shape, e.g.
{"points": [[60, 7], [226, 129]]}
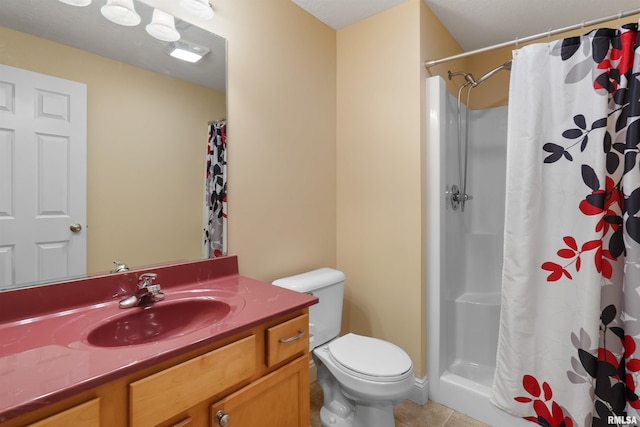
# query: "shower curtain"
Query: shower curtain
{"points": [[215, 192], [569, 350]]}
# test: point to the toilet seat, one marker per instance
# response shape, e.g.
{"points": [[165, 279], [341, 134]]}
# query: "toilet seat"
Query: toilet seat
{"points": [[370, 358]]}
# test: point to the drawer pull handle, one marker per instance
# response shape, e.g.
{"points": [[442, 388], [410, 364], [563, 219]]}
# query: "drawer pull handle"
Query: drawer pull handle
{"points": [[182, 423], [222, 418], [294, 338]]}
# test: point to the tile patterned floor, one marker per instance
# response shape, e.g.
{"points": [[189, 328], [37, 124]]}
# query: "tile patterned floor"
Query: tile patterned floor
{"points": [[407, 414]]}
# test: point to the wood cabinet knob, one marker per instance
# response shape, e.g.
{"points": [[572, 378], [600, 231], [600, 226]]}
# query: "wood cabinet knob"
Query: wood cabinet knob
{"points": [[222, 418]]}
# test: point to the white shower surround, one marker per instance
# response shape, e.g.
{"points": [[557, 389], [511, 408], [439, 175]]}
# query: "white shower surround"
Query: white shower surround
{"points": [[464, 258]]}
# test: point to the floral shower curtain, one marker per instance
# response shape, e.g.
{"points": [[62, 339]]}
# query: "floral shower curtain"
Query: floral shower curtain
{"points": [[215, 189], [569, 343]]}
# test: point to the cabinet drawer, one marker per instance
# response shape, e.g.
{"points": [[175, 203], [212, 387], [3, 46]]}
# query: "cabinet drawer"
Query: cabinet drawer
{"points": [[83, 415], [287, 339], [174, 390]]}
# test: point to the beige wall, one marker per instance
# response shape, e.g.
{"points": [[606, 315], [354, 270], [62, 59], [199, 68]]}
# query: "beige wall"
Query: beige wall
{"points": [[282, 153], [381, 155], [326, 153], [282, 157], [146, 140], [379, 197]]}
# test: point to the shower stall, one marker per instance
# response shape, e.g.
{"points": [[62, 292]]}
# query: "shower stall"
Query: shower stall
{"points": [[464, 253]]}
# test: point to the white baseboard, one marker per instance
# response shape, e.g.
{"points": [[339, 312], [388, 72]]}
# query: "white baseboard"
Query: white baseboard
{"points": [[419, 393]]}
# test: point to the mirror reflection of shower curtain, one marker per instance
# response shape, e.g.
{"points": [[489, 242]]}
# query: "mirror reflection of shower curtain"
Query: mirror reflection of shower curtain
{"points": [[215, 192], [569, 343]]}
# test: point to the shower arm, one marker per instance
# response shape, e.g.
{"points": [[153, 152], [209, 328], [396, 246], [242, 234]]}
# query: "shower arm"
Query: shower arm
{"points": [[460, 175], [465, 196], [460, 196]]}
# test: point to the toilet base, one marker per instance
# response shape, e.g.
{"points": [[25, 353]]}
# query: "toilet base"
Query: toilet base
{"points": [[329, 419], [362, 416], [340, 410], [379, 416]]}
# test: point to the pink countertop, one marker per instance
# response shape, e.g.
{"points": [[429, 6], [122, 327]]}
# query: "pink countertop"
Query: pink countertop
{"points": [[44, 352]]}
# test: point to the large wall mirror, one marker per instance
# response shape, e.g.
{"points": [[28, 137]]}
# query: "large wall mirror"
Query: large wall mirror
{"points": [[147, 117]]}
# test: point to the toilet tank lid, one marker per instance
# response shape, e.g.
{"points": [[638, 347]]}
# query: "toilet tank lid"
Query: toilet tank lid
{"points": [[311, 280]]}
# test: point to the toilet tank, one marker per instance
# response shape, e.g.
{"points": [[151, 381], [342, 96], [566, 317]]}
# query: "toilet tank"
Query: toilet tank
{"points": [[325, 317]]}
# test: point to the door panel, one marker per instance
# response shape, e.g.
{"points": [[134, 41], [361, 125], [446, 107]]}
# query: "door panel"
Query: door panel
{"points": [[43, 150]]}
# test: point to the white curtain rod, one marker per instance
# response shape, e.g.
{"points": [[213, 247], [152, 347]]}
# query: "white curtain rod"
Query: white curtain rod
{"points": [[549, 33]]}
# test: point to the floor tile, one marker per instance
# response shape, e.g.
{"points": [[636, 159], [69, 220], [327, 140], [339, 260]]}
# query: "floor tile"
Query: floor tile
{"points": [[431, 414], [460, 420], [407, 414]]}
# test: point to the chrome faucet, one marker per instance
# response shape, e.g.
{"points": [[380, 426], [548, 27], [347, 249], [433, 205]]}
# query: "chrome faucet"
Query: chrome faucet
{"points": [[120, 267], [147, 292]]}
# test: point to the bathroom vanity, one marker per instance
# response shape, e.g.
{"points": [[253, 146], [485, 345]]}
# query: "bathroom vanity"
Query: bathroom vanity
{"points": [[249, 366]]}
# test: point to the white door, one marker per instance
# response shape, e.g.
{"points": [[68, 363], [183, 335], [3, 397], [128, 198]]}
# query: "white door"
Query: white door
{"points": [[43, 191]]}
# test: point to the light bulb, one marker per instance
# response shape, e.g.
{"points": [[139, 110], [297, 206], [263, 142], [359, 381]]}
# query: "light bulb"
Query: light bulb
{"points": [[163, 27], [76, 2], [121, 12], [198, 8]]}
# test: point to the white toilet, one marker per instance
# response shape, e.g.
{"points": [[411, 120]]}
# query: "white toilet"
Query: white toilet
{"points": [[362, 378]]}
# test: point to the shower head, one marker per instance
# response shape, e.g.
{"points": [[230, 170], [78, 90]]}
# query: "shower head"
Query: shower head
{"points": [[505, 66], [467, 76], [473, 82]]}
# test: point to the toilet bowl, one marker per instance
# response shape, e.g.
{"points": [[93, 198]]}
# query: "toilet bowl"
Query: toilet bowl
{"points": [[361, 377], [372, 375]]}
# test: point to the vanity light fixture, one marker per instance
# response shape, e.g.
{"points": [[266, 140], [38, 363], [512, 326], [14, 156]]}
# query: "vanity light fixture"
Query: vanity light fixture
{"points": [[186, 51], [121, 12], [198, 8], [76, 2], [163, 27]]}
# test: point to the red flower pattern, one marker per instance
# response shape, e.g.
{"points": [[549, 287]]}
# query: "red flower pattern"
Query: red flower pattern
{"points": [[611, 198], [613, 375], [548, 412], [632, 365], [573, 254]]}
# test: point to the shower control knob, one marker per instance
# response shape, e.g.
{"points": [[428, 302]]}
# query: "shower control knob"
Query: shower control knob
{"points": [[222, 418]]}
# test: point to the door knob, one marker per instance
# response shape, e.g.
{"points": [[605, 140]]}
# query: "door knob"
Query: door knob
{"points": [[75, 227]]}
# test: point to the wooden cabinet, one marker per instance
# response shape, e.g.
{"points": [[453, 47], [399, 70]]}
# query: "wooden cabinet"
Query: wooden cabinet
{"points": [[275, 400], [169, 392], [259, 376], [82, 415]]}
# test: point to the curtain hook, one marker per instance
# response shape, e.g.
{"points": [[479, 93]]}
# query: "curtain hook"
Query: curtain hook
{"points": [[582, 26], [516, 41]]}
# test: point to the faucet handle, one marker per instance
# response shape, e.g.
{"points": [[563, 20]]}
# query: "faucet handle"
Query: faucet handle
{"points": [[155, 292], [119, 267], [146, 279]]}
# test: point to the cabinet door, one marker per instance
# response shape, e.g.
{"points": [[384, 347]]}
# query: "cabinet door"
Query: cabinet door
{"points": [[278, 399], [84, 415], [163, 395]]}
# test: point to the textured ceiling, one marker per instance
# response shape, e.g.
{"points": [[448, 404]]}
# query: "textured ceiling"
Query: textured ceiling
{"points": [[341, 13], [479, 23]]}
